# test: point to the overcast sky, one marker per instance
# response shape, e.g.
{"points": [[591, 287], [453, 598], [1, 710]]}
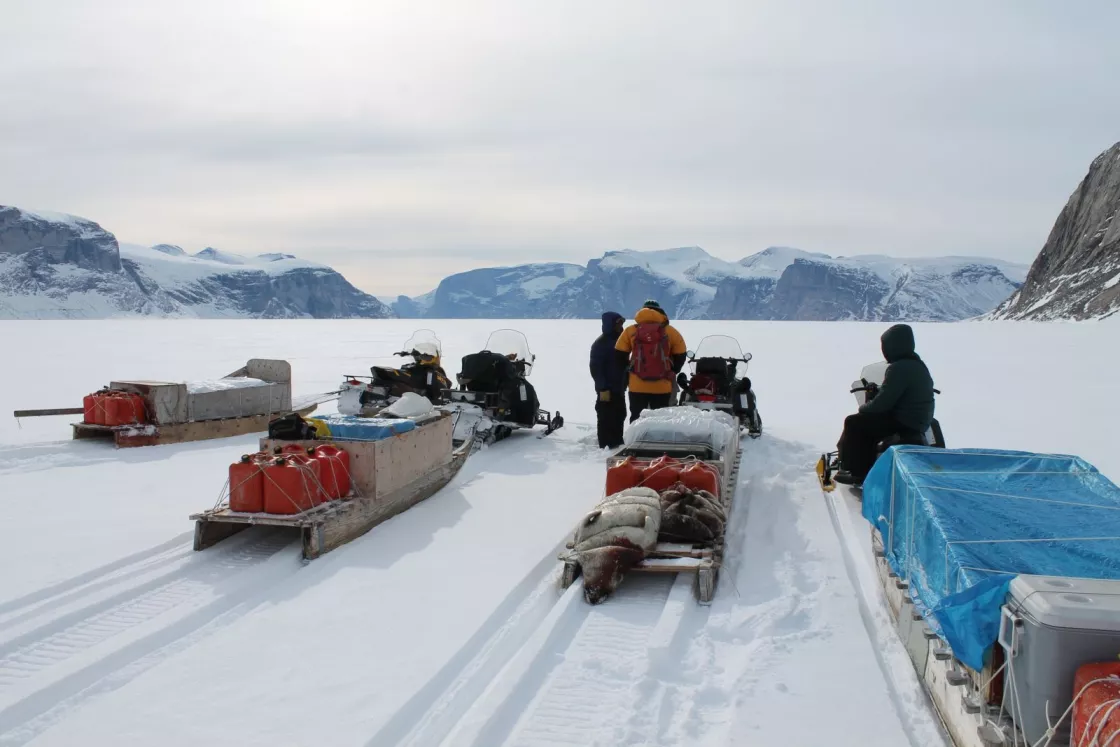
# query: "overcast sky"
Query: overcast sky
{"points": [[403, 141]]}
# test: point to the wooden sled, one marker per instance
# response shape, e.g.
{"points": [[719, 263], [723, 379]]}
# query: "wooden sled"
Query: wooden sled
{"points": [[703, 559], [125, 436], [388, 477]]}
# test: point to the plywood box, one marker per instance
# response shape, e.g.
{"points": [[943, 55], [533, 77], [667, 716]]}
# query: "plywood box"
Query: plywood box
{"points": [[378, 468]]}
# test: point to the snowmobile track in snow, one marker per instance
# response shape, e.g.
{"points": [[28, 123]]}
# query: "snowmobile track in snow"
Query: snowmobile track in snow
{"points": [[113, 627], [907, 694]]}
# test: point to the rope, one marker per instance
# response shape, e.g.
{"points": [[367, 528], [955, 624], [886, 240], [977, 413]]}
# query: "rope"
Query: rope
{"points": [[1019, 497]]}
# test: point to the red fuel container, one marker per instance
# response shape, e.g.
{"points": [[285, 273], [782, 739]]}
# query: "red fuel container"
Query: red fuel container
{"points": [[246, 485], [1093, 715], [291, 485], [89, 409], [335, 470], [662, 473], [700, 476], [625, 474]]}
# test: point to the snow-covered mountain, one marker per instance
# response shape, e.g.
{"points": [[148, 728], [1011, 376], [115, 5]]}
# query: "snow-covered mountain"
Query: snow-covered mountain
{"points": [[56, 266], [777, 283], [1077, 273]]}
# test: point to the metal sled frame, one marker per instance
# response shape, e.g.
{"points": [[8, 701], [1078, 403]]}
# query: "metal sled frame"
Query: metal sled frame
{"points": [[333, 524], [703, 559]]}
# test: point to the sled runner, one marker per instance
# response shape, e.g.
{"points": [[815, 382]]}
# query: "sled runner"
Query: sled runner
{"points": [[719, 382], [383, 476], [1001, 574], [147, 413], [494, 397], [669, 495]]}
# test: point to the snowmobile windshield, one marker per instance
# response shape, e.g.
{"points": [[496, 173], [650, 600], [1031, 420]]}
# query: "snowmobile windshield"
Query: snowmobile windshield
{"points": [[425, 343], [720, 346], [513, 345], [874, 373]]}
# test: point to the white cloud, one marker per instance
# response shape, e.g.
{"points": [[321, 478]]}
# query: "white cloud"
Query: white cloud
{"points": [[379, 135]]}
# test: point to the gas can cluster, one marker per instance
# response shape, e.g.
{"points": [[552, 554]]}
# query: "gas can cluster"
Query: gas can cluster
{"points": [[112, 407], [289, 480], [662, 473]]}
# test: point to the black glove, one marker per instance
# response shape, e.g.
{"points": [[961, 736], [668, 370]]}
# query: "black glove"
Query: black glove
{"points": [[682, 380]]}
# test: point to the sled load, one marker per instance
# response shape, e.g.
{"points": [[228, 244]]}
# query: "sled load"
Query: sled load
{"points": [[719, 383], [1001, 572], [424, 376], [335, 482], [147, 413], [494, 396], [669, 492]]}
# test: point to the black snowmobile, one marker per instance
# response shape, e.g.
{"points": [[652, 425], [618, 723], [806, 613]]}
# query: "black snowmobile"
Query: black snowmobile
{"points": [[865, 388], [424, 376], [495, 397], [718, 384]]}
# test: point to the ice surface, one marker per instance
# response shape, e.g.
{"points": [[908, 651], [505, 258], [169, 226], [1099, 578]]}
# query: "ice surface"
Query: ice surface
{"points": [[444, 626]]}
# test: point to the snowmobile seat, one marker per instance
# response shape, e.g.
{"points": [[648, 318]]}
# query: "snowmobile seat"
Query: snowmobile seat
{"points": [[717, 368], [486, 371], [908, 437]]}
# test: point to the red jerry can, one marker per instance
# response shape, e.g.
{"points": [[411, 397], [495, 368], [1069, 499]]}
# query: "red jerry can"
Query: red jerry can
{"points": [[335, 470]]}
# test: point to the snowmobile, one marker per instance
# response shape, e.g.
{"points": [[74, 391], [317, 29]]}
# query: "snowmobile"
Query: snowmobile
{"points": [[424, 376], [865, 388], [717, 383], [494, 396]]}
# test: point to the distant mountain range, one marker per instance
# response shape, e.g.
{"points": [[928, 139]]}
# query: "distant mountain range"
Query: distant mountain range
{"points": [[1077, 273], [61, 266], [779, 283], [55, 266]]}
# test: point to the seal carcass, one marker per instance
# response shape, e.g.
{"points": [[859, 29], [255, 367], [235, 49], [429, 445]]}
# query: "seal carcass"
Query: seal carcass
{"points": [[615, 537]]}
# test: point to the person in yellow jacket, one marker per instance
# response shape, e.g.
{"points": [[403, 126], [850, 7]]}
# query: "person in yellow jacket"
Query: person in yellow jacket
{"points": [[654, 353]]}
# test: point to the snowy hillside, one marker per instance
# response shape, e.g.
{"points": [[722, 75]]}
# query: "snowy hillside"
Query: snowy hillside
{"points": [[777, 283], [445, 627], [57, 266]]}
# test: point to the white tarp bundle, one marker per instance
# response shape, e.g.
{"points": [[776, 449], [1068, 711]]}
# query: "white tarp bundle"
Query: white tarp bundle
{"points": [[683, 425], [410, 405], [221, 385]]}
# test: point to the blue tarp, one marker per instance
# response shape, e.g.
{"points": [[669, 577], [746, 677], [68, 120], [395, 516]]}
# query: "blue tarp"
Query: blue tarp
{"points": [[960, 524], [353, 428]]}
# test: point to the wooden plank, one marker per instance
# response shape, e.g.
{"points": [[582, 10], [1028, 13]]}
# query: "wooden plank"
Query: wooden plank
{"points": [[208, 533], [364, 514], [673, 565], [677, 548], [55, 411]]}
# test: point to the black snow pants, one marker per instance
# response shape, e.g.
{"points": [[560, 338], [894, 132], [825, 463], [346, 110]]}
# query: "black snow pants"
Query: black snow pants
{"points": [[641, 401], [857, 443], [610, 419]]}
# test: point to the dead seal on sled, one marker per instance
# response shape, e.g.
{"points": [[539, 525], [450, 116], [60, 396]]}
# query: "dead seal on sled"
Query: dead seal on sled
{"points": [[615, 537]]}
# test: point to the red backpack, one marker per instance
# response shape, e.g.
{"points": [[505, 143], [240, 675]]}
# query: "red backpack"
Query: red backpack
{"points": [[651, 360]]}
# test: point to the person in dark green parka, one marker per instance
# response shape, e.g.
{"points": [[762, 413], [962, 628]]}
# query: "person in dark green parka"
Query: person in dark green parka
{"points": [[903, 405]]}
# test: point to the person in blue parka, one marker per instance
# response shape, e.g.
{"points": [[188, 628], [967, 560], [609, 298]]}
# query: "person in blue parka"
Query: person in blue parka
{"points": [[610, 382]]}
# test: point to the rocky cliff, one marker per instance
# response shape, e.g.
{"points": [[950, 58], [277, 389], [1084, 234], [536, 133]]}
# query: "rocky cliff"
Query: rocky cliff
{"points": [[1077, 273]]}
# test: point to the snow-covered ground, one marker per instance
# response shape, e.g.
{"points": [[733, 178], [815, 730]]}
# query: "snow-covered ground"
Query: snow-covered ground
{"points": [[445, 625]]}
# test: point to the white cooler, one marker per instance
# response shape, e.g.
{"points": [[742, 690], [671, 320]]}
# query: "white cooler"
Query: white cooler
{"points": [[1050, 626]]}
